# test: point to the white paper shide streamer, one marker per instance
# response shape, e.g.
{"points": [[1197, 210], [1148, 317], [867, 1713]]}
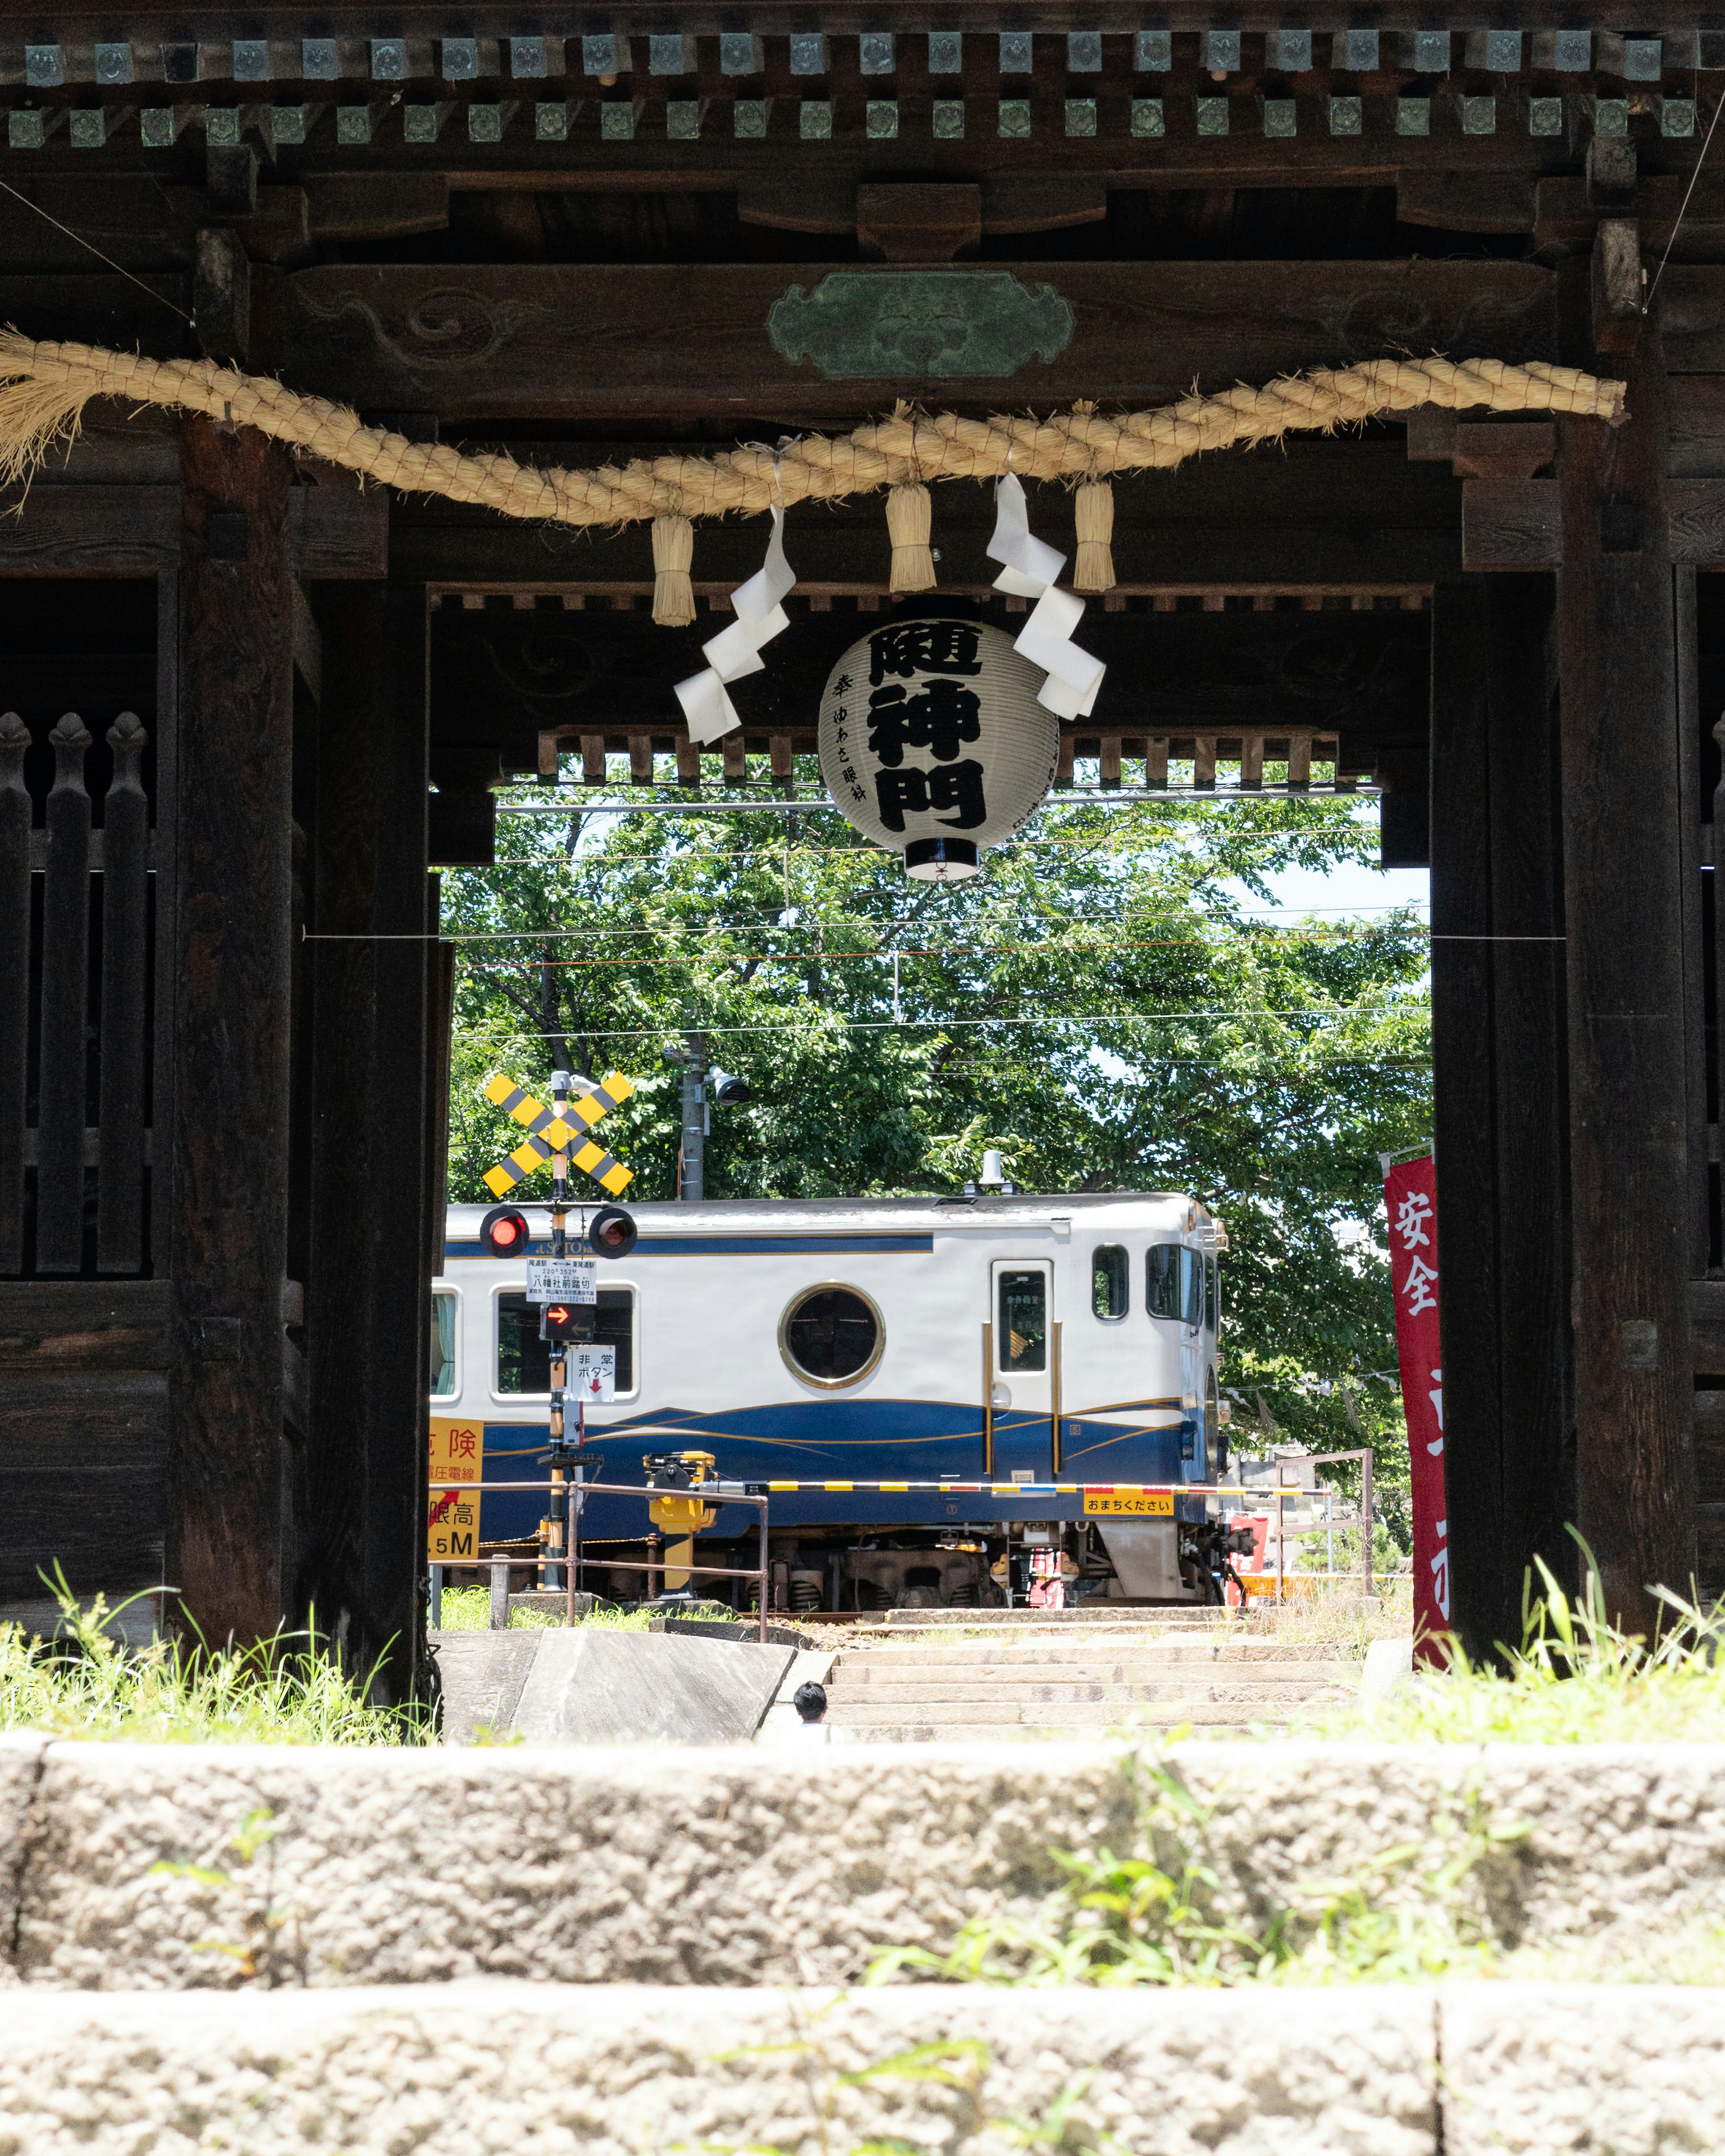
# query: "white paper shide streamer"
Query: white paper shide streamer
{"points": [[736, 651], [1030, 572]]}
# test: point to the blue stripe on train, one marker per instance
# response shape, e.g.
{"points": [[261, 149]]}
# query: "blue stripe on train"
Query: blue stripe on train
{"points": [[860, 1440], [719, 1246]]}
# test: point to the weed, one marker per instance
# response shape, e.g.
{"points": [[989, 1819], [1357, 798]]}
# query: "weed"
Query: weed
{"points": [[89, 1683], [953, 2072], [1576, 1678], [265, 1953], [1154, 1917]]}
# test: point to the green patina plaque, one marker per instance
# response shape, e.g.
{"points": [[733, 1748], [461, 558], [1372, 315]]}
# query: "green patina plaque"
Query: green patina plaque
{"points": [[939, 323]]}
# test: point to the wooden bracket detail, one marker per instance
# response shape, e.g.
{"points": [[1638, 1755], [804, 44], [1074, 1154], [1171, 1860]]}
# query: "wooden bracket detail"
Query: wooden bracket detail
{"points": [[222, 295], [1511, 524], [1619, 285]]}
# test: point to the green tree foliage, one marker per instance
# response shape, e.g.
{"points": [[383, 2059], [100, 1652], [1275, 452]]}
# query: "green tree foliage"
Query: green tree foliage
{"points": [[1103, 1004]]}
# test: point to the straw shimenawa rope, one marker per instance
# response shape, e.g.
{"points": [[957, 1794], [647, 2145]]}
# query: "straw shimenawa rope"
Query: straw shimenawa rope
{"points": [[44, 387]]}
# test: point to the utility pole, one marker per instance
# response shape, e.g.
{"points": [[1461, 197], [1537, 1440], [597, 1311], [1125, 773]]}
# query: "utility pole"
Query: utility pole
{"points": [[691, 1167]]}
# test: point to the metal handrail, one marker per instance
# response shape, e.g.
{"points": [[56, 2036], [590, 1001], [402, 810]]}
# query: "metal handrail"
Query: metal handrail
{"points": [[576, 1491]]}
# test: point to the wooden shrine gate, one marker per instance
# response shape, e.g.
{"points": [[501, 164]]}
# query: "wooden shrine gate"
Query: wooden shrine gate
{"points": [[252, 698]]}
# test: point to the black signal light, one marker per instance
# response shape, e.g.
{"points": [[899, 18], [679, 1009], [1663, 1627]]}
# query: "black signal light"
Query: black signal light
{"points": [[612, 1232], [504, 1232], [564, 1320]]}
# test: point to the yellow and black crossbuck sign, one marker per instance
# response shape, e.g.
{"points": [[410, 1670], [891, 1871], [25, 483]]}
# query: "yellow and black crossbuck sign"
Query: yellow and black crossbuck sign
{"points": [[548, 1132]]}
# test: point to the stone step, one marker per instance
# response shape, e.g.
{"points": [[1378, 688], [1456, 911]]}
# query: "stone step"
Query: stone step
{"points": [[1174, 1653], [506, 2064], [958, 1720], [1112, 1613], [964, 1689]]}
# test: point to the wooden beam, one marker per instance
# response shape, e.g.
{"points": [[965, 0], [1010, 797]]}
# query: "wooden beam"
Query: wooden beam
{"points": [[562, 342], [502, 676], [362, 1491], [1499, 1046], [76, 530], [231, 1018], [308, 644], [1623, 919]]}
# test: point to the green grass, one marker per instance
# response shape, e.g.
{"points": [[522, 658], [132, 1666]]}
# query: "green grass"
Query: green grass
{"points": [[89, 1684], [469, 1609], [1576, 1678]]}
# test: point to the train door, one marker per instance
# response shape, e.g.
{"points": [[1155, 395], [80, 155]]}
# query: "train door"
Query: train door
{"points": [[1023, 1373], [1194, 1277]]}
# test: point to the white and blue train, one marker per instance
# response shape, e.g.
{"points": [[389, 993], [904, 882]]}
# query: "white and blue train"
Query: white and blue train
{"points": [[1011, 1340]]}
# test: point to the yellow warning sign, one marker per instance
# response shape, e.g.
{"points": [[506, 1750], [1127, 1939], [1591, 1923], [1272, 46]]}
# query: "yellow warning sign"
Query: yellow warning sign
{"points": [[1141, 1505], [457, 1455], [452, 1527]]}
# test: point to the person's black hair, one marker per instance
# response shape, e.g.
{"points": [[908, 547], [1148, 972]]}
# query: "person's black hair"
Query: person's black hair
{"points": [[810, 1701]]}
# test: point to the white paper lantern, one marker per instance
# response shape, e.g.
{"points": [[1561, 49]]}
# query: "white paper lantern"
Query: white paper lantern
{"points": [[932, 742]]}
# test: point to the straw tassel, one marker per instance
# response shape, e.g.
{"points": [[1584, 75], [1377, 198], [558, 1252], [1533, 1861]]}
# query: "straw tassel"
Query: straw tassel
{"points": [[673, 552], [909, 522], [1094, 569]]}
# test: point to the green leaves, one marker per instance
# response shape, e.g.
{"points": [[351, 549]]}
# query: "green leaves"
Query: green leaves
{"points": [[1103, 1003]]}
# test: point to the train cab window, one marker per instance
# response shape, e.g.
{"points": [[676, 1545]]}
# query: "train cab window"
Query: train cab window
{"points": [[524, 1359], [1161, 1280], [831, 1335], [1192, 1288], [1212, 1294], [1023, 1327], [1109, 1288], [444, 1306]]}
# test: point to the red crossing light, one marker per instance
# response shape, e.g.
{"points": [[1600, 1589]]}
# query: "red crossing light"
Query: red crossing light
{"points": [[612, 1232], [504, 1232]]}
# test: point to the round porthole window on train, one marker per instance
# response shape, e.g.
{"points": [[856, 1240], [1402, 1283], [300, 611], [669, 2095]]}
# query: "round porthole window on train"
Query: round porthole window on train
{"points": [[831, 1335]]}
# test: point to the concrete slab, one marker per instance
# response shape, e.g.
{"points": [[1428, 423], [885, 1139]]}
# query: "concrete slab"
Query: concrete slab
{"points": [[598, 1687], [450, 2070], [483, 1674]]}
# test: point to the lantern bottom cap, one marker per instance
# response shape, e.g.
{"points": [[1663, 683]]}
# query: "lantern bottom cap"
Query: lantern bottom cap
{"points": [[941, 861]]}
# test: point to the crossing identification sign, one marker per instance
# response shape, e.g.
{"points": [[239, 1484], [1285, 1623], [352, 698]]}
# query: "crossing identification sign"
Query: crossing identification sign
{"points": [[563, 1280]]}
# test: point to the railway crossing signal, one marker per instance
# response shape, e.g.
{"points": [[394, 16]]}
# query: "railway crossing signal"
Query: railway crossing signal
{"points": [[563, 1130], [504, 1232], [555, 1136]]}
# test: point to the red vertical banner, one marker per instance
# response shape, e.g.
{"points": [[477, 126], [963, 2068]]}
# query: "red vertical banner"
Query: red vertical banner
{"points": [[1410, 1196]]}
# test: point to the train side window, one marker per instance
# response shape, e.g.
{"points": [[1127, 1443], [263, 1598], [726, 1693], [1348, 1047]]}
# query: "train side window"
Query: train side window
{"points": [[1109, 1288], [524, 1359], [1212, 1294], [831, 1335], [1023, 1330], [1161, 1280], [1192, 1288], [445, 1312]]}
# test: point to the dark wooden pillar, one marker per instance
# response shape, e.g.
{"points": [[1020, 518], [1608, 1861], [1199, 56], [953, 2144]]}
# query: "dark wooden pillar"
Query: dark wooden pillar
{"points": [[1499, 1048], [368, 1290], [1623, 856], [227, 1224]]}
